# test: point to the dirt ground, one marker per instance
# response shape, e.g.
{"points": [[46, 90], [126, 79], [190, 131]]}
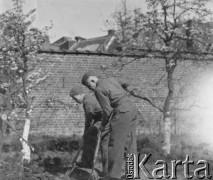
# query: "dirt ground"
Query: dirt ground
{"points": [[51, 168], [50, 161], [53, 157]]}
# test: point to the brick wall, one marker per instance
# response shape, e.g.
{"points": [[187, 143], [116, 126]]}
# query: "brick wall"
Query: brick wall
{"points": [[55, 113]]}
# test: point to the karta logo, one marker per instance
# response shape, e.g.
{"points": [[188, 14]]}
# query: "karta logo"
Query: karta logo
{"points": [[134, 166]]}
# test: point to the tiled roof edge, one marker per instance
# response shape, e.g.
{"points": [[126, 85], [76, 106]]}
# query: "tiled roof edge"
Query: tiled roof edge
{"points": [[141, 53]]}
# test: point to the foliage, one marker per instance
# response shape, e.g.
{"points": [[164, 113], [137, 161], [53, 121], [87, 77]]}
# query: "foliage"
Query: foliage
{"points": [[19, 65], [19, 46], [167, 25], [171, 30]]}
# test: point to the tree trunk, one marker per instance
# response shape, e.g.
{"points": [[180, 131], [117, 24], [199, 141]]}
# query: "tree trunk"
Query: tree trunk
{"points": [[170, 66], [167, 135], [26, 148]]}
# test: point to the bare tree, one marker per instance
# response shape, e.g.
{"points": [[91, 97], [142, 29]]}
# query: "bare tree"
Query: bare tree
{"points": [[172, 30]]}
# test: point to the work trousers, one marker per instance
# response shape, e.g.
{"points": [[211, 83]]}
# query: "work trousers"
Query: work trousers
{"points": [[105, 135], [90, 141], [90, 138], [122, 139]]}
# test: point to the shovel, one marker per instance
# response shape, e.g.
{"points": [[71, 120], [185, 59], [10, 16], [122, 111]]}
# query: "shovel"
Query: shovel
{"points": [[69, 171]]}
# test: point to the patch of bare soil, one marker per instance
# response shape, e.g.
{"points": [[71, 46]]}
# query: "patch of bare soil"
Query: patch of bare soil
{"points": [[53, 157], [50, 161]]}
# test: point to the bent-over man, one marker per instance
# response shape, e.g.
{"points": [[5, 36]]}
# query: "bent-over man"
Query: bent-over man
{"points": [[93, 118], [112, 97]]}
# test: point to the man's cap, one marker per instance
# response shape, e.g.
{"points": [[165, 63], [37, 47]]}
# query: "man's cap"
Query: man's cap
{"points": [[76, 90], [86, 76]]}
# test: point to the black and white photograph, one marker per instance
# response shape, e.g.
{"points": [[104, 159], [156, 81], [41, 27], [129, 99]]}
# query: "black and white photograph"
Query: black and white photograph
{"points": [[106, 89]]}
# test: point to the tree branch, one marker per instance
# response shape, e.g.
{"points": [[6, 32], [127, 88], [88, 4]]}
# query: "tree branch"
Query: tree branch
{"points": [[137, 95]]}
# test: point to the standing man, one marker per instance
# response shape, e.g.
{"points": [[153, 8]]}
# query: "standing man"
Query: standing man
{"points": [[113, 98], [93, 118]]}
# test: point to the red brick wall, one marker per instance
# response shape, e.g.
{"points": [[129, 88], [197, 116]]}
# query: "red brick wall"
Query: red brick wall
{"points": [[65, 117]]}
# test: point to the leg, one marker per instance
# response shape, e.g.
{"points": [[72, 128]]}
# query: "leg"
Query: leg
{"points": [[120, 129], [89, 145], [131, 141], [104, 149]]}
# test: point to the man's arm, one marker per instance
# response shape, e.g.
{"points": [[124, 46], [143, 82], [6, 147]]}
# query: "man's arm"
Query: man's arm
{"points": [[104, 102]]}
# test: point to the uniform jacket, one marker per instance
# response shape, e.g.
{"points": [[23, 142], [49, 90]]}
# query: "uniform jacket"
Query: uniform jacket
{"points": [[93, 111], [112, 95]]}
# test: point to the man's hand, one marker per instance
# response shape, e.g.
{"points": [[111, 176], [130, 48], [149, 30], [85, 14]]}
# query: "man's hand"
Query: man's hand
{"points": [[4, 117], [101, 128]]}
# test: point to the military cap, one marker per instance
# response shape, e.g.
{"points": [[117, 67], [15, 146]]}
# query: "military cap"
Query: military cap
{"points": [[76, 90], [86, 76]]}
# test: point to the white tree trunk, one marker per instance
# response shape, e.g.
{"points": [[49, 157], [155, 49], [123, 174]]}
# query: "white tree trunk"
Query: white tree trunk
{"points": [[167, 135], [26, 148]]}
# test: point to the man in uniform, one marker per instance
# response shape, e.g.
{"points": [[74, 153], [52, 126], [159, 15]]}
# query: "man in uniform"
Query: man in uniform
{"points": [[113, 98], [93, 118]]}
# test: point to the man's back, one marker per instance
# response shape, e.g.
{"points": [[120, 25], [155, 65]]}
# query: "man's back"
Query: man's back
{"points": [[91, 105], [111, 94], [93, 111]]}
